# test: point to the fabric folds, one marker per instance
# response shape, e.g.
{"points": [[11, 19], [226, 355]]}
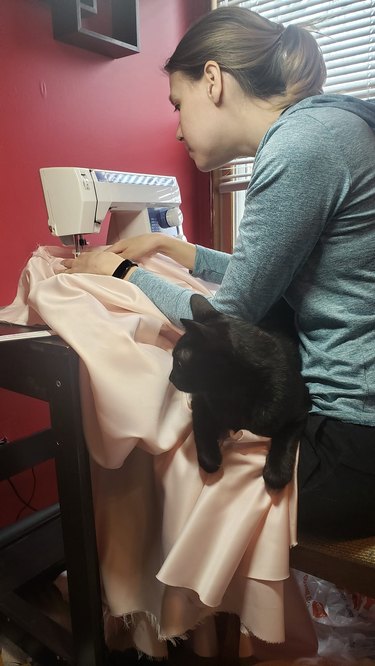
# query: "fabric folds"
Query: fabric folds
{"points": [[176, 545]]}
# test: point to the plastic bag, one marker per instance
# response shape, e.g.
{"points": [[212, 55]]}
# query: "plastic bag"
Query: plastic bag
{"points": [[344, 622]]}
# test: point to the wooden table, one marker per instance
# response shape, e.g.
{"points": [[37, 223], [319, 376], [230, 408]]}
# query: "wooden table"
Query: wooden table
{"points": [[60, 536]]}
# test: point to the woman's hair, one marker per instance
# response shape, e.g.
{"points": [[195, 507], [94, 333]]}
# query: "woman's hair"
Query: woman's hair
{"points": [[264, 57]]}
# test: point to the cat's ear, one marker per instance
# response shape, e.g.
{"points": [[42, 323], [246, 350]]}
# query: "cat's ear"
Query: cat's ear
{"points": [[196, 328], [202, 308], [186, 323]]}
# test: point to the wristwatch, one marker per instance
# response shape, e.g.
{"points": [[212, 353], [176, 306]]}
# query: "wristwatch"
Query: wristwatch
{"points": [[123, 268]]}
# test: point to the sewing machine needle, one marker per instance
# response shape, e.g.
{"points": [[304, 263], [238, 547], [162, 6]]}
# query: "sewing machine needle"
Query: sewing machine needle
{"points": [[77, 246]]}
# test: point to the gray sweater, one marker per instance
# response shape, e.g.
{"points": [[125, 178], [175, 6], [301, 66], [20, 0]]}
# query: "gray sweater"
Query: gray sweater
{"points": [[308, 234]]}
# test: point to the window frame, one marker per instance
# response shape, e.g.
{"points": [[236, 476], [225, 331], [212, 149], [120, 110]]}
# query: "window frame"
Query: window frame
{"points": [[224, 199]]}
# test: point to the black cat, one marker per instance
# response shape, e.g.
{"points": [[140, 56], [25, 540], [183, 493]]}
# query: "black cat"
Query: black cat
{"points": [[243, 376]]}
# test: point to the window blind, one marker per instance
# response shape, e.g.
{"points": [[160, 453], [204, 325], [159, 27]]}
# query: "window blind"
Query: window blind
{"points": [[345, 32]]}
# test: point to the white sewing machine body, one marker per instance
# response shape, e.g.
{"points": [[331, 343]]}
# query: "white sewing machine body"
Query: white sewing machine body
{"points": [[78, 201]]}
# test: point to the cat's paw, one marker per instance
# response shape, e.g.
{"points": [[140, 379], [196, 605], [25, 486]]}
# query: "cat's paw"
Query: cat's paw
{"points": [[276, 480], [209, 464]]}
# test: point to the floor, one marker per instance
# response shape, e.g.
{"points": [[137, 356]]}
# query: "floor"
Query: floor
{"points": [[14, 656], [50, 600], [11, 655]]}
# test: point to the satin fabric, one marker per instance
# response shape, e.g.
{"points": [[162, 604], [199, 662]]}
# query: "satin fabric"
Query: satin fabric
{"points": [[176, 545]]}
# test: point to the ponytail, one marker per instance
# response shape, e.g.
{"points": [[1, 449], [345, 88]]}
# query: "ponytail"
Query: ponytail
{"points": [[301, 65]]}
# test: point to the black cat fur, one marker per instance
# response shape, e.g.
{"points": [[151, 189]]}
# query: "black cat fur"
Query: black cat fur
{"points": [[243, 376]]}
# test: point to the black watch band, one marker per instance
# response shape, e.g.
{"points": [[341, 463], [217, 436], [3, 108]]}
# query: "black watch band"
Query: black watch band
{"points": [[123, 268]]}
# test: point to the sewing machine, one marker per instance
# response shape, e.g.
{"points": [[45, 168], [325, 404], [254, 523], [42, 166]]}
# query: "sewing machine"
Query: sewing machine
{"points": [[78, 201]]}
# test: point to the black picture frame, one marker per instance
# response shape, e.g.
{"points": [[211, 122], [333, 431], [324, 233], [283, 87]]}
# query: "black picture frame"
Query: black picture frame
{"points": [[68, 21]]}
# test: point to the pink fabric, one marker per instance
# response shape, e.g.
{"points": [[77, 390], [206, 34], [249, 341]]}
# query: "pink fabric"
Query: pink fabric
{"points": [[175, 545]]}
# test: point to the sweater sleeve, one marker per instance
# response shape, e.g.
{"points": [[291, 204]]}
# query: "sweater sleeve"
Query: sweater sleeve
{"points": [[299, 181], [172, 300], [210, 265]]}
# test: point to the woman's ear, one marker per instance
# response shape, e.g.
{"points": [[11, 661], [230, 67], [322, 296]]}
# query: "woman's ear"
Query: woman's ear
{"points": [[214, 82]]}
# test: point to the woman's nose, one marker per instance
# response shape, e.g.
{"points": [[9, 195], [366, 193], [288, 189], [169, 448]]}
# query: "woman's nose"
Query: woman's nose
{"points": [[179, 136]]}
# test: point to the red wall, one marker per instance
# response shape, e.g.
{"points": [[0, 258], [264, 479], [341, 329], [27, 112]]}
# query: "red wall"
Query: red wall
{"points": [[61, 105]]}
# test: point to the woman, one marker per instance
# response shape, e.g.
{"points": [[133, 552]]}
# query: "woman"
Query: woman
{"points": [[244, 86]]}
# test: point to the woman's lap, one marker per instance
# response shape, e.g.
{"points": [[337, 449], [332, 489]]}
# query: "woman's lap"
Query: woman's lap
{"points": [[336, 478]]}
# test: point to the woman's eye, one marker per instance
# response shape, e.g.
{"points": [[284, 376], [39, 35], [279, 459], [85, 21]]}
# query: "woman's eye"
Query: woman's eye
{"points": [[176, 107]]}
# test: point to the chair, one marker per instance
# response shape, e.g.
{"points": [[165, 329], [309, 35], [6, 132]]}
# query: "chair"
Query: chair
{"points": [[349, 564]]}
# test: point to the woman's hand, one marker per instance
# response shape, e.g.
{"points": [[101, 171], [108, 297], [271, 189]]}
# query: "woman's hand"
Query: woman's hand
{"points": [[136, 247], [98, 262], [146, 245]]}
